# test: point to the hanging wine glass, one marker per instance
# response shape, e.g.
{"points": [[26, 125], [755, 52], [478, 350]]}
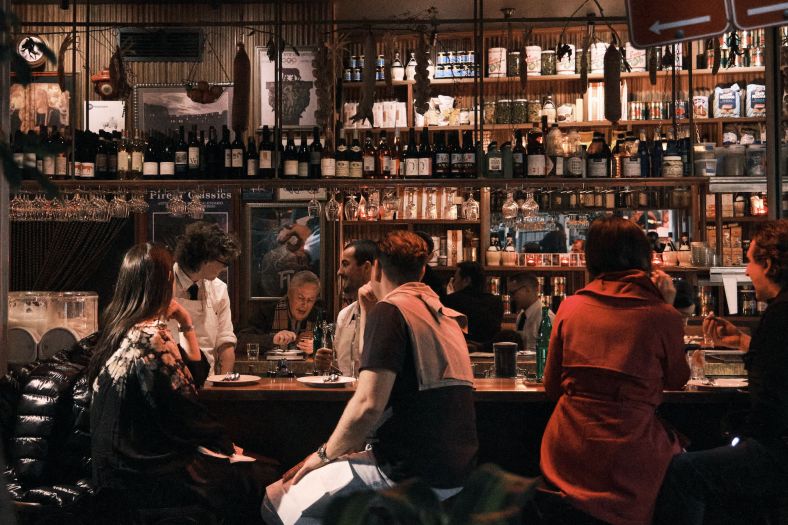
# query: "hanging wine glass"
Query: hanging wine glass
{"points": [[450, 211], [432, 209], [333, 208], [313, 206], [351, 208], [118, 207], [138, 204], [176, 205], [390, 203], [195, 209], [361, 213], [410, 207], [17, 208], [509, 209], [471, 208], [373, 206], [529, 208]]}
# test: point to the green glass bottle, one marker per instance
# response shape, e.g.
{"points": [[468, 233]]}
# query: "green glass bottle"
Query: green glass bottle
{"points": [[543, 341], [318, 332]]}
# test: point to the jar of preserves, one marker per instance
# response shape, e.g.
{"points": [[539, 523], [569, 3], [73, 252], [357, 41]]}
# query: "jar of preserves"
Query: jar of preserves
{"points": [[548, 62], [519, 111], [672, 166], [513, 64], [489, 112], [503, 111], [534, 111]]}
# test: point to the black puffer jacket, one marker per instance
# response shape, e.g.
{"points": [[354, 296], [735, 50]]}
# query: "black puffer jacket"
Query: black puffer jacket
{"points": [[45, 426]]}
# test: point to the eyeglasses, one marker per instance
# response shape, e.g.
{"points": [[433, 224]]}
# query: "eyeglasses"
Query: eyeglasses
{"points": [[223, 263]]}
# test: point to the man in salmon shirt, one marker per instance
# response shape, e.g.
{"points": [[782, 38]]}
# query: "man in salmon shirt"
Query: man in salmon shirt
{"points": [[616, 345], [748, 476]]}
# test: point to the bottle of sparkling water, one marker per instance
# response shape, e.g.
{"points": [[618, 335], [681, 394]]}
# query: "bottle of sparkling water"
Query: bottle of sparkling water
{"points": [[543, 341]]}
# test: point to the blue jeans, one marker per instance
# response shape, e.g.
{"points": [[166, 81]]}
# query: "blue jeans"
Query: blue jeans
{"points": [[745, 480]]}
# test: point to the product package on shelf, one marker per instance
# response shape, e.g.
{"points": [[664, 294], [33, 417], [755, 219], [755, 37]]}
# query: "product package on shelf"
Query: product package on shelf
{"points": [[594, 102], [453, 247], [727, 101], [387, 114], [440, 113], [755, 101]]}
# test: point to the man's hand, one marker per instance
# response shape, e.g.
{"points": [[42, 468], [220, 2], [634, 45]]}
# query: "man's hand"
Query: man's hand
{"points": [[306, 344], [284, 338], [366, 298], [295, 474], [179, 313], [723, 333], [323, 359], [664, 284]]}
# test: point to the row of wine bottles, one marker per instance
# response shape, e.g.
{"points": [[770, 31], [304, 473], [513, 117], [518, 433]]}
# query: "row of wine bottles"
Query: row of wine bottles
{"points": [[537, 153]]}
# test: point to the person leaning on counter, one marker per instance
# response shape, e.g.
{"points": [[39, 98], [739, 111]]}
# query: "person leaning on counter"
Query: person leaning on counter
{"points": [[294, 316], [201, 254], [751, 473], [415, 392]]}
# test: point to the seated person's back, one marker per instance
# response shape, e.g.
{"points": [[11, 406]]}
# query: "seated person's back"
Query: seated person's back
{"points": [[484, 310]]}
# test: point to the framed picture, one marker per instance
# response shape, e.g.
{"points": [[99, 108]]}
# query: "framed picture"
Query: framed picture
{"points": [[284, 194], [282, 239], [166, 106], [40, 103], [105, 115], [299, 99]]}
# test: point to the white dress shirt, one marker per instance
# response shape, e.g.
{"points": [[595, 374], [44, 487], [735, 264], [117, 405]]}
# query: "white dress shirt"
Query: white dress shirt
{"points": [[348, 339], [533, 318], [210, 314]]}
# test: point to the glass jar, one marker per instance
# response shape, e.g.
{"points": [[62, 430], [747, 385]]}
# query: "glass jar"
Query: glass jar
{"points": [[503, 111], [534, 111], [489, 112], [680, 198], [519, 111], [749, 304], [513, 64], [548, 62], [672, 166]]}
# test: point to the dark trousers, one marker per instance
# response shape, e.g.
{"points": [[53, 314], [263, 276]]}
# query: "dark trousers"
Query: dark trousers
{"points": [[736, 484]]}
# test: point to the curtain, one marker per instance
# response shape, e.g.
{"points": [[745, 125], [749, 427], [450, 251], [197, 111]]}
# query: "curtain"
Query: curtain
{"points": [[59, 256]]}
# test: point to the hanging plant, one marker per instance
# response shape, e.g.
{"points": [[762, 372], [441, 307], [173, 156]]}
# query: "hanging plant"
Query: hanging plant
{"points": [[421, 90], [364, 111]]}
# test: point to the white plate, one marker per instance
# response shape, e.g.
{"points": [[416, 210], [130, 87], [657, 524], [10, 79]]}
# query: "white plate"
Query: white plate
{"points": [[242, 380], [318, 382], [719, 383]]}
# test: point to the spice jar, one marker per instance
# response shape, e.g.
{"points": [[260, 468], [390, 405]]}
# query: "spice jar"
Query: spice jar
{"points": [[534, 111], [672, 166], [519, 111], [489, 112], [503, 111], [513, 64], [548, 62]]}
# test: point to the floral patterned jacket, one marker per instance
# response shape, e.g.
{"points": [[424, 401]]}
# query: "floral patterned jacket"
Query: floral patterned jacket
{"points": [[145, 417]]}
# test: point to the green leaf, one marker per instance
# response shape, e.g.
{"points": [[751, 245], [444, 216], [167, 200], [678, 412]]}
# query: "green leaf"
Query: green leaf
{"points": [[409, 503]]}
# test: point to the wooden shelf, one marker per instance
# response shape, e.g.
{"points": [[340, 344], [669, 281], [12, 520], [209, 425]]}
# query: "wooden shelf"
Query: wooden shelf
{"points": [[544, 269], [579, 124], [358, 184], [403, 222], [749, 218], [684, 269], [593, 77]]}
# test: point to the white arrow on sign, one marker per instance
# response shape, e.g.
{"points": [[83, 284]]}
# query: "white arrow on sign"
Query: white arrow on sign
{"points": [[657, 28], [767, 9]]}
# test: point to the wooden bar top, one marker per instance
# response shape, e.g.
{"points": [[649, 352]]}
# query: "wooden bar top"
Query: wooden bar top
{"points": [[486, 390]]}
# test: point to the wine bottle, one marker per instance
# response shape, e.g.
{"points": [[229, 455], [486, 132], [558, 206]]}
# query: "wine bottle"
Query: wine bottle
{"points": [[303, 158], [203, 155], [368, 158], [425, 155], [181, 156], [167, 158], [48, 164], [468, 155], [383, 158], [455, 155], [252, 158], [342, 160], [328, 161], [518, 156], [315, 155], [214, 160], [266, 155], [193, 155], [237, 156], [112, 154], [124, 157], [411, 156], [88, 157], [226, 154], [290, 157], [356, 158], [442, 162], [61, 156], [535, 158], [598, 157]]}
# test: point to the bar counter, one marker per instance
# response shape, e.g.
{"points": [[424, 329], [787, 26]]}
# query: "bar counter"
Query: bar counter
{"points": [[286, 420]]}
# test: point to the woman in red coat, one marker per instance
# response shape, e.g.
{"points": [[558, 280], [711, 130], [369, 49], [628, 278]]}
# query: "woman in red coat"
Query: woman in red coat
{"points": [[615, 346]]}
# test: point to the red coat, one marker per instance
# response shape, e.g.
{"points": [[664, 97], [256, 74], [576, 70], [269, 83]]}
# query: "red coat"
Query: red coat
{"points": [[615, 346]]}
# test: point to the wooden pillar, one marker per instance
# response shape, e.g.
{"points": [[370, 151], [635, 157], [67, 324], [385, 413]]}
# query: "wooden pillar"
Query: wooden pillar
{"points": [[5, 226]]}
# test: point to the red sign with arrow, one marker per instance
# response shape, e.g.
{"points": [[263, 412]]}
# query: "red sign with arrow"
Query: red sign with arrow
{"points": [[654, 23], [752, 14]]}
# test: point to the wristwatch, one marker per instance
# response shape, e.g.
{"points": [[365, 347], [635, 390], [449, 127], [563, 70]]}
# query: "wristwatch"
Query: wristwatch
{"points": [[187, 328], [321, 453]]}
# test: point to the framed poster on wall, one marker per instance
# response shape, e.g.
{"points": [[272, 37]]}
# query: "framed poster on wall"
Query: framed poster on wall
{"points": [[40, 103], [299, 99], [164, 107]]}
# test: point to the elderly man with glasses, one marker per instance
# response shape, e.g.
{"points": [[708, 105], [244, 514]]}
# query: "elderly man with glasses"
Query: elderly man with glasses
{"points": [[202, 253]]}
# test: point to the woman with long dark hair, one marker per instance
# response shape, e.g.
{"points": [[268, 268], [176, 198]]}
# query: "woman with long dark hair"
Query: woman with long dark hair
{"points": [[616, 345], [152, 441]]}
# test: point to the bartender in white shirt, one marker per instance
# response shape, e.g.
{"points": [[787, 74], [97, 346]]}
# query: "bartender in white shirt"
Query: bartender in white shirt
{"points": [[355, 270], [524, 291], [201, 254]]}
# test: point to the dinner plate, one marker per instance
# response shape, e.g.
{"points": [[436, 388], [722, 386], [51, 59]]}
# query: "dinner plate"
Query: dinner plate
{"points": [[319, 382], [242, 380], [721, 383]]}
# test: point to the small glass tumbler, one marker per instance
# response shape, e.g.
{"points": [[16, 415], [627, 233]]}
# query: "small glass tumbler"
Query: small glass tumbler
{"points": [[252, 351]]}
